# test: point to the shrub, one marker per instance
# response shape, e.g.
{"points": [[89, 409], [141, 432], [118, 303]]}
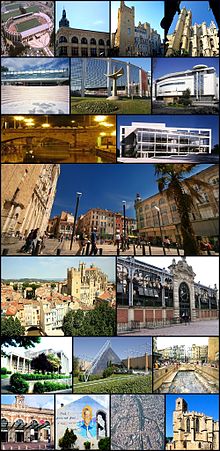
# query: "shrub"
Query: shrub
{"points": [[95, 377], [9, 372], [104, 444], [38, 387], [81, 377], [37, 376], [96, 107], [3, 370], [18, 384], [108, 371]]}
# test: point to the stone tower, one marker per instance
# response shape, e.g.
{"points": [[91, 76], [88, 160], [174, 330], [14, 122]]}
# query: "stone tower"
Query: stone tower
{"points": [[125, 33], [64, 22]]}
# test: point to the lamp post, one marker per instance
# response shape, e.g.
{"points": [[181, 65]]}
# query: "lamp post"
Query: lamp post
{"points": [[161, 234], [78, 195], [124, 206]]}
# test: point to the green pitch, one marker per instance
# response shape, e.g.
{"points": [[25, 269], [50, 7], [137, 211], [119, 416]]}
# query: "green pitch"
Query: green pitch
{"points": [[7, 16], [27, 25]]}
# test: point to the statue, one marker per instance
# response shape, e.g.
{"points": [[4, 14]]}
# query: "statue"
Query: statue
{"points": [[114, 78]]}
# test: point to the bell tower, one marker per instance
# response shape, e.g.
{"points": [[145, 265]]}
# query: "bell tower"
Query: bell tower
{"points": [[20, 401]]}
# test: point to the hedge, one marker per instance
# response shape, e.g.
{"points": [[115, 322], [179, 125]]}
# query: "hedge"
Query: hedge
{"points": [[17, 384], [40, 387]]}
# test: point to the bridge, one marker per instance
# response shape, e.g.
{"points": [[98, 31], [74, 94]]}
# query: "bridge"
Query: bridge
{"points": [[61, 134]]}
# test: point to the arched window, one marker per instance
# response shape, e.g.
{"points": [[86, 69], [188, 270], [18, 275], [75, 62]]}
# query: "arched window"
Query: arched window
{"points": [[93, 41], [197, 424], [199, 444], [84, 41], [101, 42], [74, 40], [62, 39], [108, 42], [188, 425]]}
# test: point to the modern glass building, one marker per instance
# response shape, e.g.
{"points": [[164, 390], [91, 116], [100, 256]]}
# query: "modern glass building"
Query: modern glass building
{"points": [[89, 77], [33, 76], [151, 140]]}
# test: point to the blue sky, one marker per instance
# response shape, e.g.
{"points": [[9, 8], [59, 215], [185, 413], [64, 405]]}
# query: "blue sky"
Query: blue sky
{"points": [[123, 346], [35, 63], [45, 401], [144, 63], [175, 121], [207, 404], [200, 13], [163, 66], [51, 267], [105, 186], [87, 15], [145, 11]]}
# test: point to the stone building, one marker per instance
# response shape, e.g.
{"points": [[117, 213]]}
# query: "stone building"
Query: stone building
{"points": [[131, 40], [28, 192], [21, 423], [106, 222], [204, 212], [148, 296], [199, 352], [85, 284], [193, 40], [193, 430], [76, 42], [61, 225], [213, 349]]}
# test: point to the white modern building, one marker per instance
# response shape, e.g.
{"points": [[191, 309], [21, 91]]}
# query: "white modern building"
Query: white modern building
{"points": [[151, 140], [16, 362], [201, 80]]}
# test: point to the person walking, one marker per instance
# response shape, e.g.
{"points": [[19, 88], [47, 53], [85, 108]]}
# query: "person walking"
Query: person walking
{"points": [[94, 248], [82, 242]]}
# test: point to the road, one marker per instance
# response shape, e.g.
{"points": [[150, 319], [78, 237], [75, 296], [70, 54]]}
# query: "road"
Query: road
{"points": [[198, 328]]}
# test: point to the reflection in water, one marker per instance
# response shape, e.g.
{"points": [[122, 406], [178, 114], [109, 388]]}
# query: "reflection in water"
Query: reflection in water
{"points": [[53, 152]]}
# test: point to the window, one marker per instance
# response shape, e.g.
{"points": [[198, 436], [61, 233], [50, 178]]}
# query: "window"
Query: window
{"points": [[197, 424], [75, 51], [84, 41], [74, 40], [84, 52], [129, 31], [188, 425], [101, 42], [93, 41], [62, 39], [93, 52]]}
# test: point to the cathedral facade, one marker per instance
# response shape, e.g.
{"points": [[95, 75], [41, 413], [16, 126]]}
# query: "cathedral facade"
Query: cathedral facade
{"points": [[85, 284], [193, 430], [193, 40]]}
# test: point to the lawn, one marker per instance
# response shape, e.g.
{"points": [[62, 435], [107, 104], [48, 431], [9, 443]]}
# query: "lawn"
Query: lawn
{"points": [[27, 25], [121, 384], [97, 105], [6, 16]]}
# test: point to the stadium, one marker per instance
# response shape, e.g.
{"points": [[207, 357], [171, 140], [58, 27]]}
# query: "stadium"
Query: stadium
{"points": [[29, 27]]}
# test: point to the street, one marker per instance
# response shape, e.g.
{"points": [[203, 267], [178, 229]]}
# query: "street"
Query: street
{"points": [[198, 328]]}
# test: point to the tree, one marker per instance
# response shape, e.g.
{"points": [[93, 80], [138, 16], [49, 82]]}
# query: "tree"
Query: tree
{"points": [[87, 445], [215, 149], [68, 439], [75, 366], [104, 444], [41, 363], [11, 327], [20, 342], [55, 362], [97, 322], [171, 178], [52, 285], [185, 99]]}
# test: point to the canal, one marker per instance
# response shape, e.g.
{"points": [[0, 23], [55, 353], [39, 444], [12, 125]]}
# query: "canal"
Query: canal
{"points": [[185, 382]]}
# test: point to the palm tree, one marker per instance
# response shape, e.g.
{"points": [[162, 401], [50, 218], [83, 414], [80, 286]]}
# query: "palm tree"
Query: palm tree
{"points": [[171, 178]]}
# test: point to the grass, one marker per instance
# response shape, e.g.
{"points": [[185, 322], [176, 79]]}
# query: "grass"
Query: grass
{"points": [[98, 105], [129, 384], [5, 376], [7, 16], [27, 25]]}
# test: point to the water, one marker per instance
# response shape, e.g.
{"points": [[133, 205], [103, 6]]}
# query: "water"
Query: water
{"points": [[35, 99], [186, 382]]}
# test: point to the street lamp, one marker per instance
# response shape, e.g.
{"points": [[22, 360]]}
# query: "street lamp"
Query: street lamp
{"points": [[19, 119], [161, 234], [78, 195], [124, 206]]}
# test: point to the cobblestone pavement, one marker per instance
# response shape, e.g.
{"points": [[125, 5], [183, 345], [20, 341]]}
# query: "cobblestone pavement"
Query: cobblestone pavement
{"points": [[52, 245], [198, 328]]}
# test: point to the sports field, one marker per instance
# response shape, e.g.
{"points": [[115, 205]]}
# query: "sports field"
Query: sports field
{"points": [[32, 9], [27, 25], [6, 16], [12, 7]]}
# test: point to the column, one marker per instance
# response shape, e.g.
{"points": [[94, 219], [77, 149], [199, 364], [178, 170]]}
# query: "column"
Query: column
{"points": [[18, 361], [130, 289], [84, 64], [140, 83], [109, 68], [128, 79]]}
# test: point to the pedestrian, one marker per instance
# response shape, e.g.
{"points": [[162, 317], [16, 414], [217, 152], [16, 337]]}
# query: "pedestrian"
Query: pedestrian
{"points": [[93, 238], [117, 238], [35, 242], [167, 242], [184, 318], [82, 242], [28, 243]]}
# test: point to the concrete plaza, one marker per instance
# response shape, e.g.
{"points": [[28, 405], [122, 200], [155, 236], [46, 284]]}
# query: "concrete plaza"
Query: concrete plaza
{"points": [[199, 328]]}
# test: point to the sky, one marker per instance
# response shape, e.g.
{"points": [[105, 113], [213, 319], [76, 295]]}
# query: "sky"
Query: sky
{"points": [[144, 63], [163, 66], [200, 13], [87, 15], [45, 401], [145, 11], [199, 265], [51, 267], [207, 404], [197, 121], [123, 346], [47, 343], [105, 186], [67, 399], [166, 342], [34, 63]]}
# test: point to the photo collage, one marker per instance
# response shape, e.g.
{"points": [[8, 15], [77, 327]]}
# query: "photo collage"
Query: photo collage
{"points": [[110, 225]]}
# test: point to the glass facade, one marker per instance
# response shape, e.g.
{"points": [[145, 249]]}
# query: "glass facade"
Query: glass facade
{"points": [[89, 77]]}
